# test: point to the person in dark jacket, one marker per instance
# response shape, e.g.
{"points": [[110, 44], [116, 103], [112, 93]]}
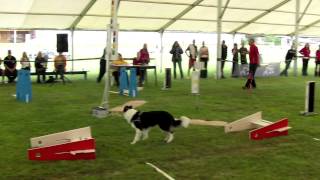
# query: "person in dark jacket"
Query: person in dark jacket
{"points": [[41, 65], [235, 59], [289, 56], [10, 63], [254, 63], [224, 53], [243, 54], [103, 64], [176, 52]]}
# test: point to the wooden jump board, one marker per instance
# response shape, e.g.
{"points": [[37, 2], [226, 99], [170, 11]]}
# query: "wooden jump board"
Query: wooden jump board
{"points": [[61, 137], [68, 72], [135, 104], [208, 123], [261, 123]]}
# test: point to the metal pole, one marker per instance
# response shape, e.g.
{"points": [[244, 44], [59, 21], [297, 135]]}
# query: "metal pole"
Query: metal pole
{"points": [[219, 27], [161, 51], [105, 97], [296, 42], [72, 49], [111, 50]]}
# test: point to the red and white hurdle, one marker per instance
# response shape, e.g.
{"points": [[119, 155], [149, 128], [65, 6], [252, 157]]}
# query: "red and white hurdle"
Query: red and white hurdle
{"points": [[75, 144], [261, 128]]}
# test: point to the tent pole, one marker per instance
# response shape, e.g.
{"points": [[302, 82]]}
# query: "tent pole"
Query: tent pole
{"points": [[111, 50], [296, 42], [219, 27], [161, 51], [72, 49]]}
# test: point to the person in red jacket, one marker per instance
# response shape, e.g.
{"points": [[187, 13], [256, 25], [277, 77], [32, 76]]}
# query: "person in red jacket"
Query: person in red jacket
{"points": [[143, 58], [254, 63], [305, 59], [317, 70]]}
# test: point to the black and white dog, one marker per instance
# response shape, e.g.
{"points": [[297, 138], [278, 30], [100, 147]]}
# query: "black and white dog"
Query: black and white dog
{"points": [[143, 121]]}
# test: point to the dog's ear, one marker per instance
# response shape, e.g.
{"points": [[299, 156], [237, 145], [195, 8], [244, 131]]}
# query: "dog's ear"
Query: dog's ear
{"points": [[126, 108]]}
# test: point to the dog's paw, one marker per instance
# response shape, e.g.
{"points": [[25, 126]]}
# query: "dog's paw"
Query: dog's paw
{"points": [[132, 142]]}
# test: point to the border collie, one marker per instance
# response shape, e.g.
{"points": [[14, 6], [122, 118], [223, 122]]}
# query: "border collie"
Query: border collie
{"points": [[143, 121]]}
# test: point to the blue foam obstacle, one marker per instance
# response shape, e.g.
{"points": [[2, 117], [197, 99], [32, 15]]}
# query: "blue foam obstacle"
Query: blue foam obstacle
{"points": [[123, 80], [23, 87], [133, 91], [127, 84]]}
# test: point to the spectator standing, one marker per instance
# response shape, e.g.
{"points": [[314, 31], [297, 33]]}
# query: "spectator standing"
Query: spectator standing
{"points": [[40, 64], [1, 72], [10, 64], [289, 56], [305, 59], [235, 59], [317, 69], [224, 54], [103, 64], [24, 61], [192, 53], [176, 52], [204, 55], [254, 62], [243, 54]]}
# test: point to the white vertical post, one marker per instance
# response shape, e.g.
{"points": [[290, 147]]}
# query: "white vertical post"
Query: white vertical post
{"points": [[161, 51], [219, 27], [114, 29], [72, 49], [111, 50], [296, 42]]}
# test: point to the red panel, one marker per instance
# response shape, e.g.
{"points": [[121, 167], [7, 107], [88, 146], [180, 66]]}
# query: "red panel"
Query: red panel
{"points": [[62, 151], [268, 131]]}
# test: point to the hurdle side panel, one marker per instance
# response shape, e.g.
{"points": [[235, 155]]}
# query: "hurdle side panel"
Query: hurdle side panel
{"points": [[244, 123], [61, 137], [84, 150], [272, 130]]}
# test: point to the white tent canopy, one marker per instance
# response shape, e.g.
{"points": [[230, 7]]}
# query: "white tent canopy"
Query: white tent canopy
{"points": [[249, 16]]}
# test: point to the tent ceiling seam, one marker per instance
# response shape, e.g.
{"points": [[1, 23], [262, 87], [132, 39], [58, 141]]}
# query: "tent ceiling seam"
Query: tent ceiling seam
{"points": [[260, 16], [82, 14], [182, 13]]}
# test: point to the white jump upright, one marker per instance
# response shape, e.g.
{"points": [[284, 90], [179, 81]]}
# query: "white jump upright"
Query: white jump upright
{"points": [[195, 78], [219, 28], [111, 53], [309, 108]]}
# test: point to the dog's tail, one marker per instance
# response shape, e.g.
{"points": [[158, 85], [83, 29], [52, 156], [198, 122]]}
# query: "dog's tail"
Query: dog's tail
{"points": [[183, 121]]}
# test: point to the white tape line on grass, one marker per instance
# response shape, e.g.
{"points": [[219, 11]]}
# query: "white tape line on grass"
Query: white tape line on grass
{"points": [[160, 171], [316, 139]]}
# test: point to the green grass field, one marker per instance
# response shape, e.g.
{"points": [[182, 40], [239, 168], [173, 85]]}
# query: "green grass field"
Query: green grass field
{"points": [[197, 152]]}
